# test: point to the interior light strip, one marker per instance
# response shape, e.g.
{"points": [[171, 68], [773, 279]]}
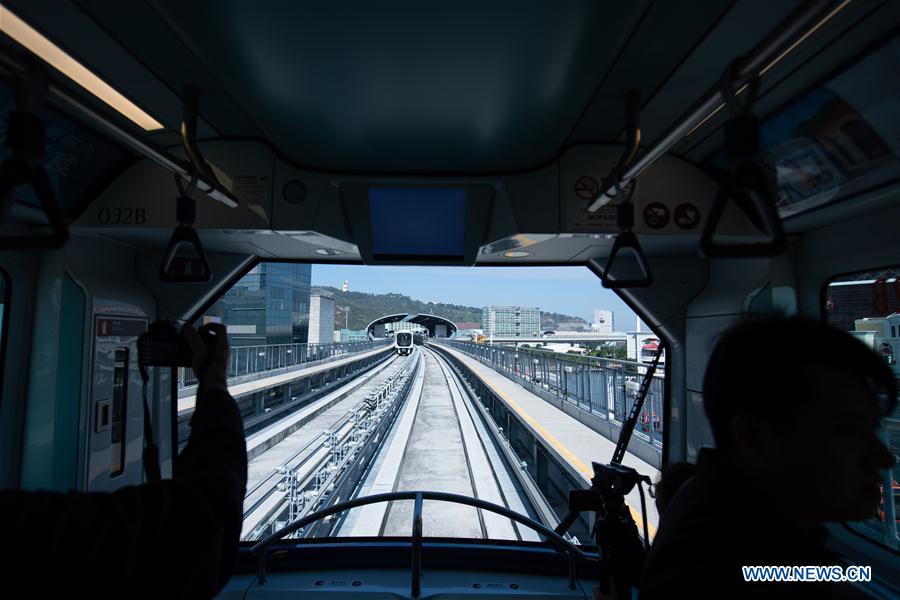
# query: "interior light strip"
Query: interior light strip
{"points": [[25, 35]]}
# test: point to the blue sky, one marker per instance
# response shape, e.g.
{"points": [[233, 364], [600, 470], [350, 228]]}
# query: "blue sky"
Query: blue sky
{"points": [[569, 290]]}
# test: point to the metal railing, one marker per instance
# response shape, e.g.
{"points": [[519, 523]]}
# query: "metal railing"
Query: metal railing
{"points": [[249, 360], [605, 387], [318, 479]]}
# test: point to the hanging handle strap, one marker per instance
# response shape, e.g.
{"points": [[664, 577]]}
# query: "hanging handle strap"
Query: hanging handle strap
{"points": [[626, 240], [185, 269], [26, 139], [758, 205], [747, 186], [190, 108]]}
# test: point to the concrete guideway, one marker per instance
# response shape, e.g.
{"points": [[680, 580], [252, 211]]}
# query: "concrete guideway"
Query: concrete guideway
{"points": [[367, 521], [435, 459], [439, 444]]}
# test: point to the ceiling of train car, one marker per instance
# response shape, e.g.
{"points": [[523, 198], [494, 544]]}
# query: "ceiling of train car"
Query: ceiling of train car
{"points": [[406, 87], [438, 89], [374, 86], [366, 87]]}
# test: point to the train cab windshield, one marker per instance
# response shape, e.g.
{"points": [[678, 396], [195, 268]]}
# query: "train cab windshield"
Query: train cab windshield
{"points": [[459, 280]]}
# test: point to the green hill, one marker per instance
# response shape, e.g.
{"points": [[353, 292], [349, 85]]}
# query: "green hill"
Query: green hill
{"points": [[365, 308]]}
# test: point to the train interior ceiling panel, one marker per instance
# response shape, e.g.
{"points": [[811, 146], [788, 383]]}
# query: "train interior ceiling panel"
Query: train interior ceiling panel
{"points": [[157, 155]]}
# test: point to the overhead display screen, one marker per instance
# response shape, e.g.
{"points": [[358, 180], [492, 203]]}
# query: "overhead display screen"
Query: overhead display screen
{"points": [[417, 222]]}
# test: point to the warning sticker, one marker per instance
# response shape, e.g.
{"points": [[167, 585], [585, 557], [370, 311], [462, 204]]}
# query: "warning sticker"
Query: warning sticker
{"points": [[687, 215], [656, 215], [584, 190], [587, 188], [252, 189], [118, 327]]}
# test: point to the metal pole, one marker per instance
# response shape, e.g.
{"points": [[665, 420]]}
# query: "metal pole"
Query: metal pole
{"points": [[157, 155], [772, 48]]}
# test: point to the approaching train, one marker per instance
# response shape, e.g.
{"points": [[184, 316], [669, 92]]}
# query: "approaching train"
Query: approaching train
{"points": [[403, 342]]}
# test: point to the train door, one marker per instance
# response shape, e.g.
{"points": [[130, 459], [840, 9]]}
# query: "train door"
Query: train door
{"points": [[115, 434], [112, 415]]}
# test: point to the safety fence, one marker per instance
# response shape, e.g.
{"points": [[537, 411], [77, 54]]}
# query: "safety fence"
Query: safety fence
{"points": [[602, 386], [249, 360]]}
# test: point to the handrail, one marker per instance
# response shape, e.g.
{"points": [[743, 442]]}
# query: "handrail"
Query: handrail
{"points": [[573, 551], [765, 209], [764, 55], [299, 357], [90, 115], [547, 374], [747, 185], [626, 240], [578, 359]]}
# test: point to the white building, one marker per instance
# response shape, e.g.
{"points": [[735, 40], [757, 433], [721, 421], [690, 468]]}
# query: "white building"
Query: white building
{"points": [[321, 320], [603, 321], [511, 321]]}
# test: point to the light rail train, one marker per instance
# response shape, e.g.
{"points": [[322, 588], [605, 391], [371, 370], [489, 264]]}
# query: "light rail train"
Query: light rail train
{"points": [[403, 342]]}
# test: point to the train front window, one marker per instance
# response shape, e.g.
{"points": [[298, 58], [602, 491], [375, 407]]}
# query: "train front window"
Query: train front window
{"points": [[867, 305], [354, 381]]}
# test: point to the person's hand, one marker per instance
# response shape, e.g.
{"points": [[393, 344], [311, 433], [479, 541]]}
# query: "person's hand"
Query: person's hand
{"points": [[210, 348]]}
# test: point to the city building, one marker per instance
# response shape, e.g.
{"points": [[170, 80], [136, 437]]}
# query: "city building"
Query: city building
{"points": [[268, 305], [511, 321], [321, 320], [603, 321]]}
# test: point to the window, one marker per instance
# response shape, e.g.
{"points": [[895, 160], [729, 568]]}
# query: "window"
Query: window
{"points": [[383, 407], [868, 306]]}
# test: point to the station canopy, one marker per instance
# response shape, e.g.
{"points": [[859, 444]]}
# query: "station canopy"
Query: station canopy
{"points": [[436, 326]]}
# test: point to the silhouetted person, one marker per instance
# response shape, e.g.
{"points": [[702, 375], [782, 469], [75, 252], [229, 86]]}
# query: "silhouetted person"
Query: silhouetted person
{"points": [[794, 406], [174, 539], [671, 480]]}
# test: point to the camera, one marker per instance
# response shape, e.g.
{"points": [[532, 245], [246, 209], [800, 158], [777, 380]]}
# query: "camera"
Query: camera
{"points": [[163, 346]]}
